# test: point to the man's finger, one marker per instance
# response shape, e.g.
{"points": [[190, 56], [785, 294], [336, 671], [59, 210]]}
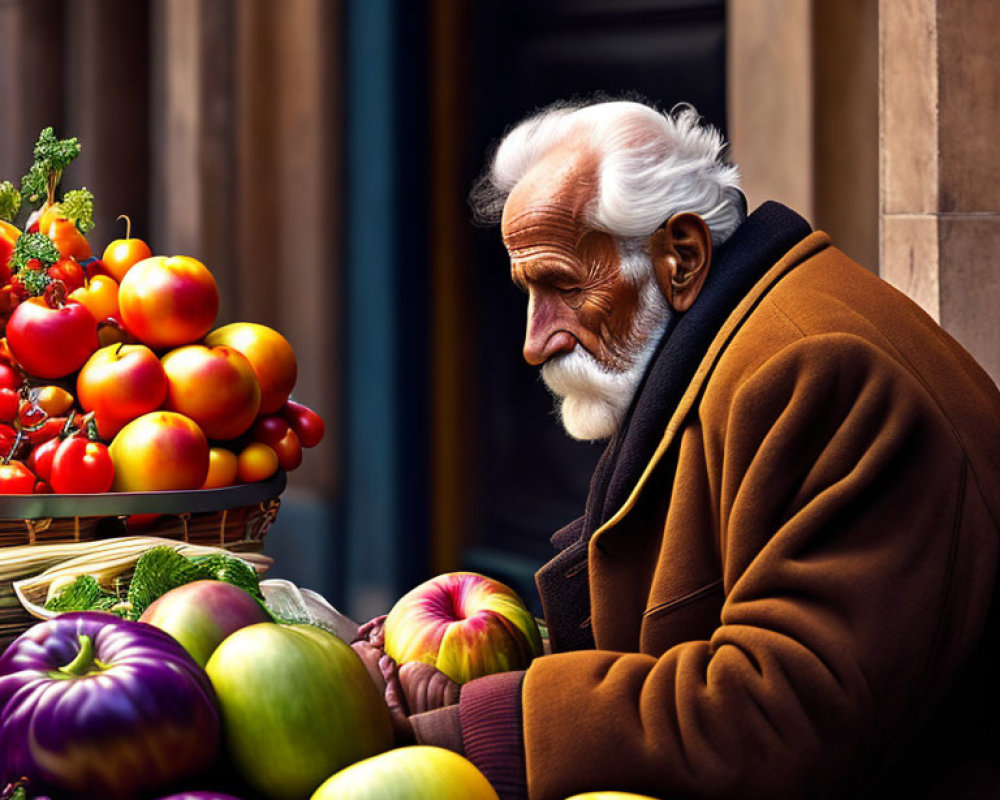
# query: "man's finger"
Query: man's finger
{"points": [[426, 688], [370, 655]]}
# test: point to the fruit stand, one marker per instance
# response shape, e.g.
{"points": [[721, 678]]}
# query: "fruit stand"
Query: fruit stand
{"points": [[143, 453]]}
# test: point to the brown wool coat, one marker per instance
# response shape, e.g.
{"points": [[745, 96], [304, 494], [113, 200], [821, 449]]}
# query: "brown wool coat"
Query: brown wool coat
{"points": [[792, 601]]}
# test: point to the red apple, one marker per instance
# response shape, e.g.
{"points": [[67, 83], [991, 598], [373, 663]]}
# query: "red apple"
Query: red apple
{"points": [[48, 341], [213, 386], [120, 383], [159, 451], [167, 302], [270, 355], [201, 614], [465, 624]]}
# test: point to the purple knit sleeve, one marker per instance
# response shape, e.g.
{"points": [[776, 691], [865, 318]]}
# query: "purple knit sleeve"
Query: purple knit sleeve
{"points": [[492, 731]]}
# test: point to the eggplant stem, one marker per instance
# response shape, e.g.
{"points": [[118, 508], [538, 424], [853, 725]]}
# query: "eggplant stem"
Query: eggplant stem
{"points": [[84, 659]]}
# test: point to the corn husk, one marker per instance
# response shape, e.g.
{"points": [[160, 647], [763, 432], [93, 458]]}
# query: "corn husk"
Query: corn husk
{"points": [[32, 574]]}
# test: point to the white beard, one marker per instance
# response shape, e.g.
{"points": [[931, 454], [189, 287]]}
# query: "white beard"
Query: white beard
{"points": [[593, 399]]}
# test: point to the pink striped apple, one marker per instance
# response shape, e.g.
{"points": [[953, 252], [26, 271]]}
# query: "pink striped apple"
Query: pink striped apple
{"points": [[464, 624]]}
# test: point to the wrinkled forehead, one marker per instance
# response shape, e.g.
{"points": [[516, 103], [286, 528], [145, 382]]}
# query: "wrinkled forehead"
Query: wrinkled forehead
{"points": [[553, 194]]}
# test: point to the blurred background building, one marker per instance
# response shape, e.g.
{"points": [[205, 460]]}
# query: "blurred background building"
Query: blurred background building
{"points": [[316, 155]]}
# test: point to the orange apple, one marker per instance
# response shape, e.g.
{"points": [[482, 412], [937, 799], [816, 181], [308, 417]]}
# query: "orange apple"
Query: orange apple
{"points": [[123, 254], [119, 383], [100, 296], [67, 238], [159, 451], [8, 237], [215, 386], [270, 355], [167, 302], [222, 467]]}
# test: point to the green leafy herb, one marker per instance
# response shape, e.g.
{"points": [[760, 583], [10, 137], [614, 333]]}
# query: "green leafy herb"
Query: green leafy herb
{"points": [[34, 281], [52, 156], [78, 205], [30, 246], [10, 201], [83, 594], [157, 571], [221, 567]]}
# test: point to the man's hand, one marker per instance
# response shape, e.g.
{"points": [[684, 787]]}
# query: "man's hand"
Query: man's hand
{"points": [[411, 689]]}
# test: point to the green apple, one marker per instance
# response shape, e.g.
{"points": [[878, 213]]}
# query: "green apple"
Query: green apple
{"points": [[409, 773], [297, 705]]}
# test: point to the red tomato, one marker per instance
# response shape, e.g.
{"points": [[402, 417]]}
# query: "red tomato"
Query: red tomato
{"points": [[40, 458], [7, 437], [279, 436], [9, 402], [307, 424], [69, 271], [9, 379], [41, 487], [81, 466], [15, 478], [51, 342]]}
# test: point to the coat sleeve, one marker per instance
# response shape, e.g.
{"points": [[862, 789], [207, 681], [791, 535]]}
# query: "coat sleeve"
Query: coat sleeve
{"points": [[839, 490]]}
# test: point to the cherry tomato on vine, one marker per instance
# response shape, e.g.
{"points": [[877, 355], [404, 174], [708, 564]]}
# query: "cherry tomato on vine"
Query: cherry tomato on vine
{"points": [[49, 429], [40, 458], [7, 437], [9, 402], [81, 466], [15, 478], [9, 379]]}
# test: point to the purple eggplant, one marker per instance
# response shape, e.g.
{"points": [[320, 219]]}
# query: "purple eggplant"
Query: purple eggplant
{"points": [[96, 706], [201, 795]]}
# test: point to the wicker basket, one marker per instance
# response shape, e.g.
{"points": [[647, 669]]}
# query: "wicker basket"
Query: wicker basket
{"points": [[236, 518]]}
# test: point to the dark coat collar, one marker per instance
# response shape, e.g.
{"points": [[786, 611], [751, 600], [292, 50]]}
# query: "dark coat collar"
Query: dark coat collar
{"points": [[738, 264]]}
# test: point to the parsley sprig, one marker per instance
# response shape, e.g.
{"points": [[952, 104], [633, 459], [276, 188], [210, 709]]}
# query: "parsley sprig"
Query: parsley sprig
{"points": [[52, 156]]}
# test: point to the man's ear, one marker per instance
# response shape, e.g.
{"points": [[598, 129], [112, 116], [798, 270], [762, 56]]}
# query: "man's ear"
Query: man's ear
{"points": [[681, 250]]}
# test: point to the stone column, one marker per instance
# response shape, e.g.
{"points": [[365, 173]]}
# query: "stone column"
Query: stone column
{"points": [[939, 105]]}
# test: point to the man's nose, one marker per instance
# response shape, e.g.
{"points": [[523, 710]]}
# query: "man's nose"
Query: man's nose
{"points": [[547, 333]]}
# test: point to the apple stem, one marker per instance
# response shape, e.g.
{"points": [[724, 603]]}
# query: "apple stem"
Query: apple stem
{"points": [[128, 225]]}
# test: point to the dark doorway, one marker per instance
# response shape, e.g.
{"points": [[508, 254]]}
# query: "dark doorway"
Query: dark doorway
{"points": [[523, 477]]}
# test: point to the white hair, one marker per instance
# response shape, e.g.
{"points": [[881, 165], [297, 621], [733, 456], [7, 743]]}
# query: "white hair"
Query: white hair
{"points": [[651, 165]]}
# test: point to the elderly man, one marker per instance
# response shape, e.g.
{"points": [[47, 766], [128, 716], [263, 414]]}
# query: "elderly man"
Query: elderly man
{"points": [[781, 585]]}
